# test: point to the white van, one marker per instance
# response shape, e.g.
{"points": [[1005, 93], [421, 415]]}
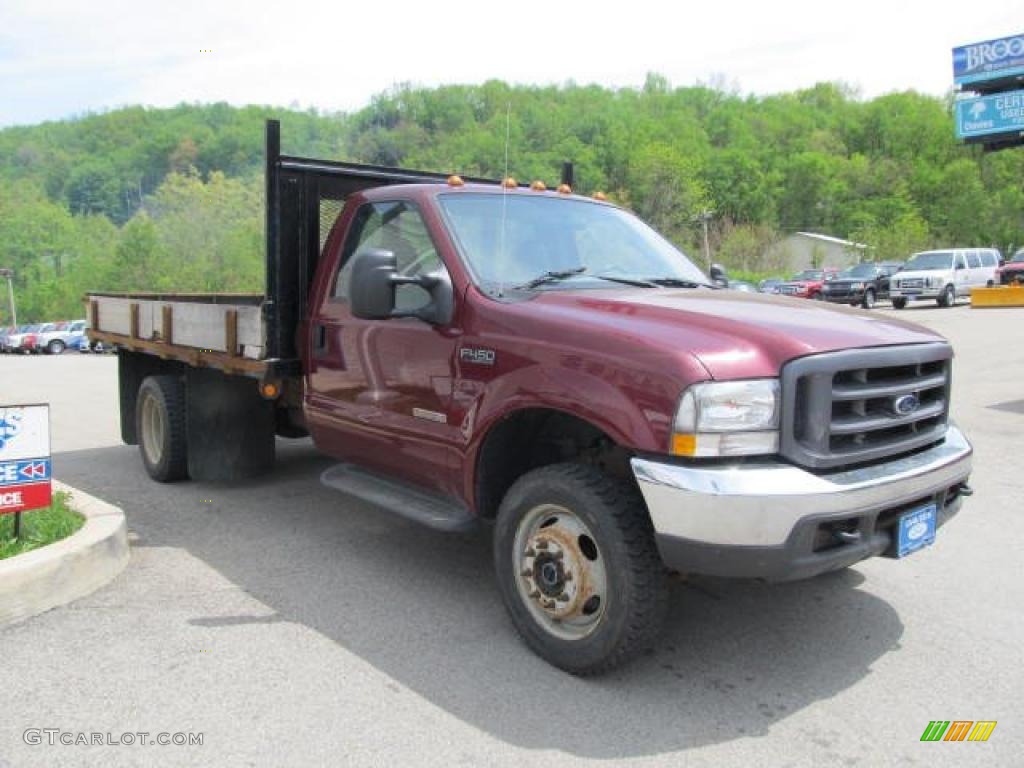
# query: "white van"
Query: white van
{"points": [[943, 275]]}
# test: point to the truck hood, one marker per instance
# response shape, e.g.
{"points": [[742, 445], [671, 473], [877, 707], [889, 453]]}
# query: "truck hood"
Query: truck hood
{"points": [[732, 334]]}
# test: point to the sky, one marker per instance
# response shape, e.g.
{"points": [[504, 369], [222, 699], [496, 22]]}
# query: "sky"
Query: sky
{"points": [[61, 58]]}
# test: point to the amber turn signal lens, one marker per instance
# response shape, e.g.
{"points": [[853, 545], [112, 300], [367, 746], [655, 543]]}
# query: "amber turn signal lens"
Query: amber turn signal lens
{"points": [[270, 390], [600, 196], [684, 445]]}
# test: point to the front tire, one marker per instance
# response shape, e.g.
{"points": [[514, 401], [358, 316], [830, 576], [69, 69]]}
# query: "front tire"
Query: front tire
{"points": [[55, 347], [899, 302], [869, 299], [160, 426], [948, 297], [578, 569]]}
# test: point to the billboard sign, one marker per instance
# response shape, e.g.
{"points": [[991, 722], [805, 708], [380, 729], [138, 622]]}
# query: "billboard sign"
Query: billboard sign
{"points": [[24, 458], [990, 60], [992, 115]]}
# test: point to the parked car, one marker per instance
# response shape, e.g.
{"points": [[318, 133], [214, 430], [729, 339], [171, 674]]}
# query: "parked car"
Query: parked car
{"points": [[863, 284], [23, 339], [742, 285], [54, 342], [770, 285], [807, 284], [34, 340], [6, 331], [1012, 271], [943, 275]]}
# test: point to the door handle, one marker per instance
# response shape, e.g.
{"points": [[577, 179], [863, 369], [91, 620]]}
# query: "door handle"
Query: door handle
{"points": [[319, 339]]}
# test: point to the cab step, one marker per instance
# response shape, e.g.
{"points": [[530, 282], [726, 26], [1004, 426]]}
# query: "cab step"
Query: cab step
{"points": [[409, 501]]}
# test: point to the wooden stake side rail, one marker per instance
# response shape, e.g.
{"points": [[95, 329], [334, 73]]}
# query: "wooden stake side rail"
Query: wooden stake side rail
{"points": [[215, 334]]}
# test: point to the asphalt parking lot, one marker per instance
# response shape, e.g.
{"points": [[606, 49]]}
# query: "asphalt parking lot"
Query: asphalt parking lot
{"points": [[292, 626]]}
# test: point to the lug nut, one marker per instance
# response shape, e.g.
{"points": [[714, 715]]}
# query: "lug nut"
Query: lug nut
{"points": [[542, 544]]}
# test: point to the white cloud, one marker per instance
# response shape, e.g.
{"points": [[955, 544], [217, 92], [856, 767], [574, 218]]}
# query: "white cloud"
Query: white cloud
{"points": [[61, 58]]}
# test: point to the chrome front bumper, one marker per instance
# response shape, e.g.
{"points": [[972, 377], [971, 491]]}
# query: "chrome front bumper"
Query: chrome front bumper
{"points": [[770, 511]]}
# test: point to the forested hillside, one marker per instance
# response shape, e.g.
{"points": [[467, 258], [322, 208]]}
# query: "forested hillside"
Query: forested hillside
{"points": [[151, 199]]}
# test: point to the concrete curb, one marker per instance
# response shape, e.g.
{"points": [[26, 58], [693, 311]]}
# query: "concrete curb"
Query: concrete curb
{"points": [[71, 568]]}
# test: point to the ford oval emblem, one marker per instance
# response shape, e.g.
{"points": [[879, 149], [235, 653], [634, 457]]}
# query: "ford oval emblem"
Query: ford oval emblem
{"points": [[905, 405], [917, 530]]}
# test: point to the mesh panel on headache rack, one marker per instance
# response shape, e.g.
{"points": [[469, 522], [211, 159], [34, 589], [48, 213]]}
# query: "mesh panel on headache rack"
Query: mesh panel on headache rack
{"points": [[329, 210]]}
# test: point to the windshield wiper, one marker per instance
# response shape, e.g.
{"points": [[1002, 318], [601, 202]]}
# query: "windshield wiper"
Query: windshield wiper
{"points": [[677, 282], [640, 283], [550, 277]]}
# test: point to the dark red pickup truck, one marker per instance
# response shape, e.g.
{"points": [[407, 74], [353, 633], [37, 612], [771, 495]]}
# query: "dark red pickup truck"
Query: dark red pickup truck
{"points": [[548, 364]]}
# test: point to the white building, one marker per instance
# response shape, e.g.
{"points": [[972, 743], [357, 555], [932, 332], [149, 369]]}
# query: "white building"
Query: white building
{"points": [[803, 250]]}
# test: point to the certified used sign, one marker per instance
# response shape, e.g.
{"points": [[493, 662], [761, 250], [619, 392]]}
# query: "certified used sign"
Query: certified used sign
{"points": [[24, 458]]}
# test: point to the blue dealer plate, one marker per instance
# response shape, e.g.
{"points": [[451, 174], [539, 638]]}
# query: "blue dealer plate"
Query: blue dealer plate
{"points": [[915, 530]]}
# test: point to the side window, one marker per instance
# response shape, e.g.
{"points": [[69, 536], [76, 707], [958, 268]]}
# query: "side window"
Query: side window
{"points": [[396, 227], [972, 260], [988, 259]]}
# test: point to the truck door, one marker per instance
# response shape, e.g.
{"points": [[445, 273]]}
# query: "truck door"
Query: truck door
{"points": [[379, 391]]}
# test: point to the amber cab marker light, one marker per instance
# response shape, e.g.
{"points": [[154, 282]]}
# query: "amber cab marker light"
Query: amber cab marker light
{"points": [[538, 186], [509, 183], [600, 196], [564, 189], [455, 181]]}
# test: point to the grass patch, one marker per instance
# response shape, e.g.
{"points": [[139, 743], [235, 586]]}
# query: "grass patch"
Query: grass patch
{"points": [[39, 527]]}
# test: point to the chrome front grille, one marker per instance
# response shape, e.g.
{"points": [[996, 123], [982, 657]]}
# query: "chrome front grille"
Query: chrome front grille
{"points": [[861, 405], [911, 282]]}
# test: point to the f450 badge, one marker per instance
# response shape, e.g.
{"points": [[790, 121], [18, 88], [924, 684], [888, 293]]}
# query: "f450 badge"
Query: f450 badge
{"points": [[477, 355]]}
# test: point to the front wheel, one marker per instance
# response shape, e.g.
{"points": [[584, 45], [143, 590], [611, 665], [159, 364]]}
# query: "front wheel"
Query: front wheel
{"points": [[899, 302], [578, 569], [55, 347], [948, 297], [869, 298]]}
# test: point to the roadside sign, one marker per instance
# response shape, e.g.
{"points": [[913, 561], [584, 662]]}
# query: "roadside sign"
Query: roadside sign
{"points": [[24, 458], [987, 61], [996, 113]]}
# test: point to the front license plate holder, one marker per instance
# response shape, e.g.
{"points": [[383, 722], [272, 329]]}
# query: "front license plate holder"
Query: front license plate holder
{"points": [[916, 529]]}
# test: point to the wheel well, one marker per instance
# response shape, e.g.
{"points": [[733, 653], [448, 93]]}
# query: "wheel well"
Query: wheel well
{"points": [[536, 437], [132, 368]]}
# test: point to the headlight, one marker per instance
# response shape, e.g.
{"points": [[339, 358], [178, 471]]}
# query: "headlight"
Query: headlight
{"points": [[727, 418]]}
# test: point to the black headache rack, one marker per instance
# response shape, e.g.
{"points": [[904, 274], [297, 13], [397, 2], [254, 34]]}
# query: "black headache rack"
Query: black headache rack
{"points": [[304, 197]]}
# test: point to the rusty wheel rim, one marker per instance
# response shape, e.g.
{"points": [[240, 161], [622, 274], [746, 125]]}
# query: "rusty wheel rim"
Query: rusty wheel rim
{"points": [[560, 572]]}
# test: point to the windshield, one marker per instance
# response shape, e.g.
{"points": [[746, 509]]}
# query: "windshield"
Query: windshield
{"points": [[509, 240], [808, 274], [930, 261], [861, 270], [1018, 256]]}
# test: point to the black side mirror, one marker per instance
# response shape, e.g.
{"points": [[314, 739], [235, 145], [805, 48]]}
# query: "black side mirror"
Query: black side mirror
{"points": [[718, 275], [375, 278]]}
